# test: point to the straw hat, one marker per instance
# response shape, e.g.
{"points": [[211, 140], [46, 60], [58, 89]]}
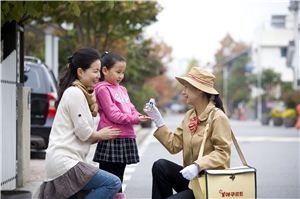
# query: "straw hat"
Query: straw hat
{"points": [[201, 79]]}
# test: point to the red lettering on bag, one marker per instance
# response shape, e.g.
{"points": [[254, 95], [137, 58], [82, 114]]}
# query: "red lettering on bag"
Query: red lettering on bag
{"points": [[230, 194]]}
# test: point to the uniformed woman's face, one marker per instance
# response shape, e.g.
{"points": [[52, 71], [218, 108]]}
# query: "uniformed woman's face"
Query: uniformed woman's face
{"points": [[191, 94]]}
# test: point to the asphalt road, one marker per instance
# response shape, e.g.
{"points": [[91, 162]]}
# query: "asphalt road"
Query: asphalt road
{"points": [[273, 151]]}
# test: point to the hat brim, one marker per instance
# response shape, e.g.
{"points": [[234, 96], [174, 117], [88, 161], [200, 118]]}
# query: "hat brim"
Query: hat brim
{"points": [[202, 87]]}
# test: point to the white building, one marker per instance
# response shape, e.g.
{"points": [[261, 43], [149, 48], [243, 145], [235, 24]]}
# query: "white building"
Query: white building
{"points": [[270, 44]]}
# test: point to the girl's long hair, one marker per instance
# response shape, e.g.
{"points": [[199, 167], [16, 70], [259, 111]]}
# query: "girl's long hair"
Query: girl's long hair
{"points": [[82, 58]]}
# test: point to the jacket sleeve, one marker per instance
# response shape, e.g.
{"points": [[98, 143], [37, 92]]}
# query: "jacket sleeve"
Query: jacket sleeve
{"points": [[221, 142], [173, 142], [79, 113], [135, 113], [111, 110]]}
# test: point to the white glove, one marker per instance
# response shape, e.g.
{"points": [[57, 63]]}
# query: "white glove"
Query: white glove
{"points": [[190, 172], [151, 110]]}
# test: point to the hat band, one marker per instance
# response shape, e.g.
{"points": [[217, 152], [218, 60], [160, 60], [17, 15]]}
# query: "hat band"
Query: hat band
{"points": [[202, 81]]}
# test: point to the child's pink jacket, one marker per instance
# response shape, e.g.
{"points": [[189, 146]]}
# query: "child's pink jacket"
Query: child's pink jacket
{"points": [[115, 108]]}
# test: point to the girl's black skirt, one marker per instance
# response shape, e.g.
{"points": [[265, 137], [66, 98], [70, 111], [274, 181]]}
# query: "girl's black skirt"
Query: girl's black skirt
{"points": [[121, 150]]}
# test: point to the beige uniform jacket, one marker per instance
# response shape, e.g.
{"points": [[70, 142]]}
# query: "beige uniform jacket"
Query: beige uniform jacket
{"points": [[217, 147]]}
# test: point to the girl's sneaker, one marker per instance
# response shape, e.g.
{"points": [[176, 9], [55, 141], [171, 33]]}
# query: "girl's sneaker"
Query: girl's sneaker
{"points": [[119, 196]]}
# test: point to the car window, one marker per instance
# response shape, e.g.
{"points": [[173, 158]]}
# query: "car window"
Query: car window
{"points": [[38, 77], [34, 79], [52, 82]]}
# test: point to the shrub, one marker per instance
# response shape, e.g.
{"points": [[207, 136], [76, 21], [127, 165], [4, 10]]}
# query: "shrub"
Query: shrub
{"points": [[276, 113], [289, 113], [291, 98]]}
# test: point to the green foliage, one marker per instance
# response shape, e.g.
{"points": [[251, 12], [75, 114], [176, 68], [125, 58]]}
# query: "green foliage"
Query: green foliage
{"points": [[35, 48], [238, 89], [291, 98], [102, 24], [219, 83], [269, 78], [26, 11], [140, 97], [141, 63], [105, 25]]}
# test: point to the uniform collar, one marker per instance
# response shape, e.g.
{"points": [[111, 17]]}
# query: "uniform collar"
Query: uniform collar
{"points": [[204, 115]]}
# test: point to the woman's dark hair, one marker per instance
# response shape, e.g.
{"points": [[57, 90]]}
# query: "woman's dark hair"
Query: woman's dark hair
{"points": [[82, 58], [108, 59], [217, 100]]}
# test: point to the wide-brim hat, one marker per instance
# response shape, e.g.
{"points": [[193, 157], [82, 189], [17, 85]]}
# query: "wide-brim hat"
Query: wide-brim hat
{"points": [[200, 79]]}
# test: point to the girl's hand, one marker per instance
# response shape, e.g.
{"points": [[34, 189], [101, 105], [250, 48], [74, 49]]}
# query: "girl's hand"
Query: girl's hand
{"points": [[144, 118]]}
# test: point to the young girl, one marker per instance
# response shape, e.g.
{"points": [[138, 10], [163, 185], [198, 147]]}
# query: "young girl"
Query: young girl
{"points": [[199, 92], [116, 110], [72, 134]]}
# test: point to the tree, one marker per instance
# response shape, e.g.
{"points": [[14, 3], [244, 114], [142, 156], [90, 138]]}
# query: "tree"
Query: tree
{"points": [[270, 80], [238, 88], [289, 96], [146, 67], [229, 48], [25, 11], [105, 25], [108, 25], [101, 24]]}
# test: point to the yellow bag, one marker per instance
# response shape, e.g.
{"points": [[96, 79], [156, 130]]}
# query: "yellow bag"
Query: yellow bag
{"points": [[238, 182]]}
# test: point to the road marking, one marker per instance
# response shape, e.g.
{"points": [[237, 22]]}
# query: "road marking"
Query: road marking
{"points": [[267, 139], [149, 139], [129, 170]]}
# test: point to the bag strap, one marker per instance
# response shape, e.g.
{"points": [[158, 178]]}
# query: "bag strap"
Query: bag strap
{"points": [[236, 144]]}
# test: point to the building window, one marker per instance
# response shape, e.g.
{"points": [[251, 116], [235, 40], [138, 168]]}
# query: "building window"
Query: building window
{"points": [[283, 51], [278, 21]]}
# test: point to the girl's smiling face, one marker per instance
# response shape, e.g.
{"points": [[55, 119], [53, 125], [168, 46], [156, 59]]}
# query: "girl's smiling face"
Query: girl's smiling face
{"points": [[115, 74]]}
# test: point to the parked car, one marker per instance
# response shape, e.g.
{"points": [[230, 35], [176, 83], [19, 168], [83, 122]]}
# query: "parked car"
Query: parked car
{"points": [[43, 86], [178, 108]]}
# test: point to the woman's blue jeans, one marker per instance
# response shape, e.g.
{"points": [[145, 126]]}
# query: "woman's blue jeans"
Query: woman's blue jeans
{"points": [[102, 185]]}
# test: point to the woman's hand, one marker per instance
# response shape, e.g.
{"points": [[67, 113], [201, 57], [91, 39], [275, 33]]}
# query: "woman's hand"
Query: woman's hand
{"points": [[105, 133], [190, 172], [144, 118], [108, 133], [151, 110]]}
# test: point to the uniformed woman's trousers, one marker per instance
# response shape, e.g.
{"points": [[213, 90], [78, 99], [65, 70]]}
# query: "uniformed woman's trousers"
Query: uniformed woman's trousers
{"points": [[166, 178]]}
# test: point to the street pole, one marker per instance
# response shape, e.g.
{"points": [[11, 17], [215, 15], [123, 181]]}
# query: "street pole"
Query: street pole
{"points": [[260, 91], [259, 99], [225, 86], [294, 7]]}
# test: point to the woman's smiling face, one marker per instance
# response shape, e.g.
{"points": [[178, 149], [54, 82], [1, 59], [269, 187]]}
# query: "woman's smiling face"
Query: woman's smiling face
{"points": [[90, 76], [191, 94]]}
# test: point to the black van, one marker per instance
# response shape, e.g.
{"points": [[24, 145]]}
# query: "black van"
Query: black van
{"points": [[43, 96]]}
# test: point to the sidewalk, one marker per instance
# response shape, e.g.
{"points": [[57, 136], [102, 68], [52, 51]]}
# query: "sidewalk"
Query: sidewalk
{"points": [[37, 173]]}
